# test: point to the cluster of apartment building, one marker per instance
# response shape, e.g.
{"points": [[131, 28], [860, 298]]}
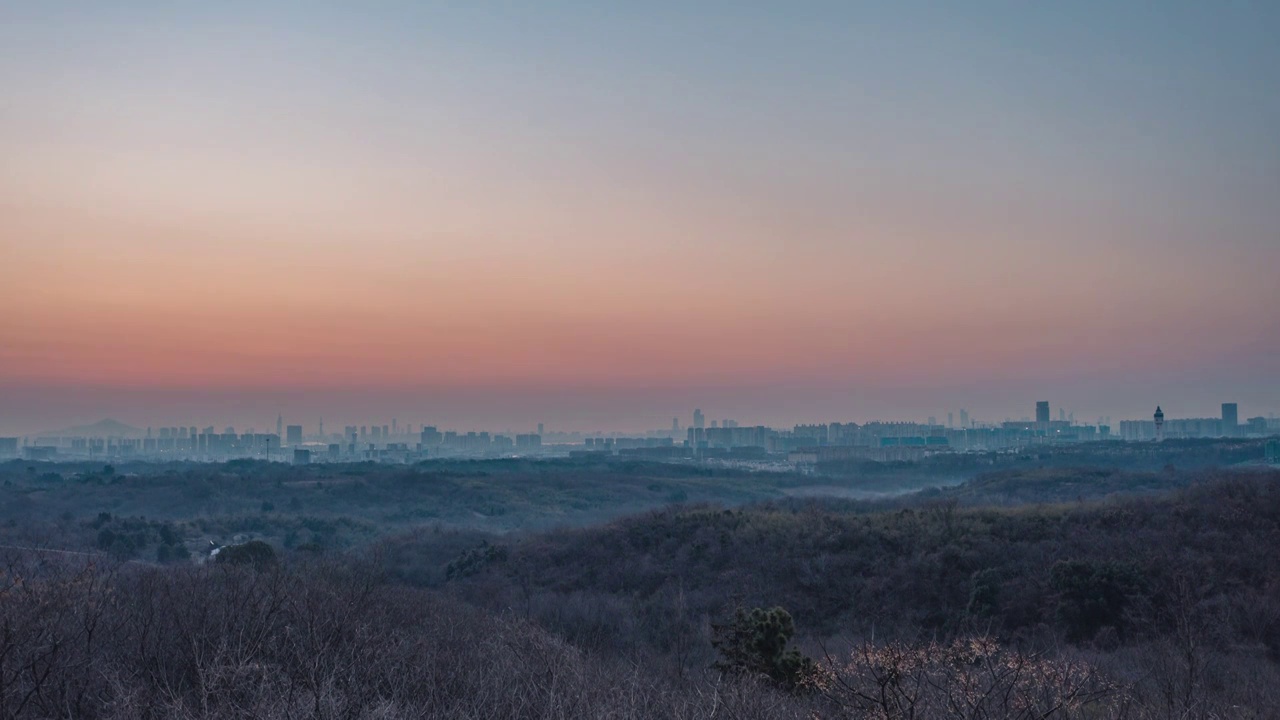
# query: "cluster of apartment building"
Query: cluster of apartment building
{"points": [[1225, 425], [726, 439]]}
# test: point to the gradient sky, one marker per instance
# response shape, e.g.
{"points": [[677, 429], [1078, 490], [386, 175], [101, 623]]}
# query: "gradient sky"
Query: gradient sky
{"points": [[605, 214]]}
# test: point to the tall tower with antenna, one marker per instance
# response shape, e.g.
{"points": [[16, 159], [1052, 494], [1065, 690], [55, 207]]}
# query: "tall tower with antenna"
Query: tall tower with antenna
{"points": [[1159, 418], [280, 426]]}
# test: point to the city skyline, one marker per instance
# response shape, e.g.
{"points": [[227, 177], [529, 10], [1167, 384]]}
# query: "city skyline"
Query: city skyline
{"points": [[1043, 413], [597, 216], [741, 443]]}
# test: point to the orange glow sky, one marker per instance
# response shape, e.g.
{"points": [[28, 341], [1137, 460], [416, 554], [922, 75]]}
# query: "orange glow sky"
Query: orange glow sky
{"points": [[601, 219]]}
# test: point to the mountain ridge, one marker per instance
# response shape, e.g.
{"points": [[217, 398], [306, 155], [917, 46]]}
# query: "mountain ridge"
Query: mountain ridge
{"points": [[107, 427]]}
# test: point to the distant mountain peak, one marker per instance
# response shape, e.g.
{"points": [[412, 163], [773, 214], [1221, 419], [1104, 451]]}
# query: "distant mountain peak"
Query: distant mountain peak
{"points": [[103, 428]]}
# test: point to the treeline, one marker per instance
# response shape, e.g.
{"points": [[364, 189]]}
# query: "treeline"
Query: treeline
{"points": [[307, 641], [935, 565], [1061, 485], [1178, 594], [258, 638], [1144, 604], [361, 500]]}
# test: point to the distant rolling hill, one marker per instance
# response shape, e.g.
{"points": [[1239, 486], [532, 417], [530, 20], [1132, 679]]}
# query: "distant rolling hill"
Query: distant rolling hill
{"points": [[102, 428]]}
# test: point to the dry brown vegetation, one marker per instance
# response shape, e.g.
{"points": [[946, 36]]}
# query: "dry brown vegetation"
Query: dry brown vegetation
{"points": [[1160, 605]]}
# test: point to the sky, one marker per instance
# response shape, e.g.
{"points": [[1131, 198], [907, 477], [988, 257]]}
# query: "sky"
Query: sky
{"points": [[602, 215]]}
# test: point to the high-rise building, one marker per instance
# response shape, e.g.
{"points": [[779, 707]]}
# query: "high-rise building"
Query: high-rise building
{"points": [[675, 426], [280, 425], [1230, 419], [964, 418], [293, 435], [539, 431], [430, 436], [951, 420], [1042, 412], [699, 421], [1159, 419]]}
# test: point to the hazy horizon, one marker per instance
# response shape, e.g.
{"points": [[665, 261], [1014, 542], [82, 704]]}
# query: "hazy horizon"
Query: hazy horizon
{"points": [[567, 409], [495, 215]]}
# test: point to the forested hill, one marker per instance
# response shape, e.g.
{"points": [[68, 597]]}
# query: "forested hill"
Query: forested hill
{"points": [[1073, 593], [934, 566], [1118, 576]]}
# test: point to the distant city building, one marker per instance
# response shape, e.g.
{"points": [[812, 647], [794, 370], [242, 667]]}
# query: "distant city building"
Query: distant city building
{"points": [[39, 452], [816, 434], [1042, 412], [430, 437], [723, 440], [301, 456], [1230, 419]]}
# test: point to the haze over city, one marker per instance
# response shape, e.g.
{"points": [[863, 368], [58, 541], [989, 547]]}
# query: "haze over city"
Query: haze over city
{"points": [[601, 217]]}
